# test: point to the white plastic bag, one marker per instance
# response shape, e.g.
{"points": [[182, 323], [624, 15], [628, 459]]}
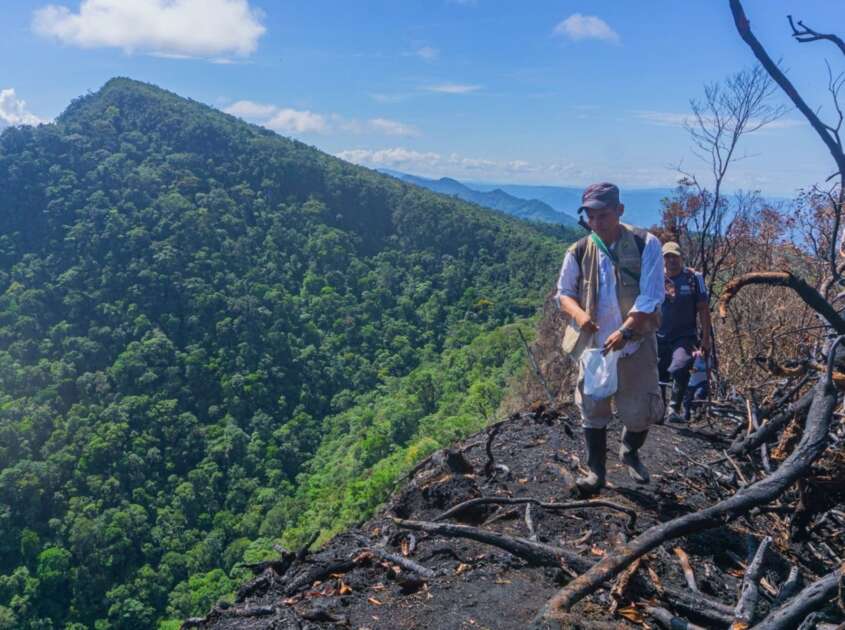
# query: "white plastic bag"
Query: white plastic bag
{"points": [[600, 373]]}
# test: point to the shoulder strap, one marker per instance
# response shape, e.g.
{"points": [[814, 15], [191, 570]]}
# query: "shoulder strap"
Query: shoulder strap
{"points": [[639, 237], [579, 250], [695, 281], [600, 244]]}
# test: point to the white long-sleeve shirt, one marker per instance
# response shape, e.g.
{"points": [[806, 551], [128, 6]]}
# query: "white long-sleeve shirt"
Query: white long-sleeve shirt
{"points": [[608, 316]]}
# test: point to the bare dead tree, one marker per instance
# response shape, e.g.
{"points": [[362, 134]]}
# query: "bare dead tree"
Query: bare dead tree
{"points": [[829, 134], [731, 109]]}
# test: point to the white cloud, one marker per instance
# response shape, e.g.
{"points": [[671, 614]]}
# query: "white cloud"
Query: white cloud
{"points": [[471, 163], [250, 109], [427, 53], [13, 110], [397, 156], [436, 164], [381, 97], [519, 166], [178, 28], [284, 119], [296, 121], [578, 27], [453, 88], [392, 127], [304, 121]]}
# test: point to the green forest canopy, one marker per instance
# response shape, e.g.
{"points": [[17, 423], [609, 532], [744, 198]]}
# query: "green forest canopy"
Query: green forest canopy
{"points": [[213, 337]]}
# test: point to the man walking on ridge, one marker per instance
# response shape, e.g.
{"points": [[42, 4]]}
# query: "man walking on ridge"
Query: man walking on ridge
{"points": [[686, 301], [611, 286]]}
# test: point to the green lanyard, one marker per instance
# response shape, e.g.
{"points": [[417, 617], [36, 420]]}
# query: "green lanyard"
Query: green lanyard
{"points": [[600, 244]]}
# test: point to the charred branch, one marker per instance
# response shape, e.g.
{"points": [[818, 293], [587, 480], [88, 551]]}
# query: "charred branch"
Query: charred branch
{"points": [[812, 598], [810, 448], [811, 297]]}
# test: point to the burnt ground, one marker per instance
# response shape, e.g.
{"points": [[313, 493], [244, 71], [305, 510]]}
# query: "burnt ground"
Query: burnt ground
{"points": [[347, 583]]}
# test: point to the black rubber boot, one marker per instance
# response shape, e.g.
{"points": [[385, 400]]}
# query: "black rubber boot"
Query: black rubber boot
{"points": [[631, 443], [593, 481], [680, 381]]}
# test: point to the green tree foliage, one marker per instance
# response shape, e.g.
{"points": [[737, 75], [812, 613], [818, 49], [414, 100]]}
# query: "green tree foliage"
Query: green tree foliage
{"points": [[212, 337]]}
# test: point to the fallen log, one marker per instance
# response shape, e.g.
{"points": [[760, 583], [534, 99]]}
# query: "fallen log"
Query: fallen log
{"points": [[810, 448], [534, 552], [790, 614], [540, 554], [552, 507]]}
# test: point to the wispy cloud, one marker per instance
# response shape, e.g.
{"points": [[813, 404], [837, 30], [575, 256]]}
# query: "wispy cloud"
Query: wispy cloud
{"points": [[396, 157], [289, 120], [427, 53], [174, 28], [392, 127], [431, 162], [453, 88], [675, 119], [579, 27], [13, 110], [436, 164], [381, 97]]}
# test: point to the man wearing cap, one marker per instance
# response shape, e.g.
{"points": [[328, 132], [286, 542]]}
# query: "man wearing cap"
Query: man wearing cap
{"points": [[686, 301], [611, 286]]}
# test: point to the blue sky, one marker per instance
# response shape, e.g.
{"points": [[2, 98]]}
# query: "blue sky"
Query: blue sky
{"points": [[564, 92]]}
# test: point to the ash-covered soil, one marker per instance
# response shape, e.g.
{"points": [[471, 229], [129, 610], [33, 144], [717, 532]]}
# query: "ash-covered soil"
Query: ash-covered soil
{"points": [[354, 582]]}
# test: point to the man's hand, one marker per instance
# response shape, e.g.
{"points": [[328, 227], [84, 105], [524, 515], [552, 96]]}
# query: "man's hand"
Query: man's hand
{"points": [[705, 347], [615, 342], [584, 322]]}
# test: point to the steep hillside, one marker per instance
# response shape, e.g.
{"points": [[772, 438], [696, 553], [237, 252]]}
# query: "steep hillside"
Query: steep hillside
{"points": [[484, 533], [212, 337]]}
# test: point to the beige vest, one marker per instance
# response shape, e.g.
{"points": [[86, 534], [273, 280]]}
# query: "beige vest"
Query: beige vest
{"points": [[627, 288]]}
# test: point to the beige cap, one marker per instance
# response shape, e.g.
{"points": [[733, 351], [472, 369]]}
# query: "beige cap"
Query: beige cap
{"points": [[671, 248]]}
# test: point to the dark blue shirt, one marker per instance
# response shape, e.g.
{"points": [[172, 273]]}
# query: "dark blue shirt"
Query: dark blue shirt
{"points": [[684, 293]]}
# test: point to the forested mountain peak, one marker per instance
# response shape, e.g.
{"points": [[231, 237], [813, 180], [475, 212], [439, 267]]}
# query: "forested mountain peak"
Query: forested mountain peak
{"points": [[213, 338]]}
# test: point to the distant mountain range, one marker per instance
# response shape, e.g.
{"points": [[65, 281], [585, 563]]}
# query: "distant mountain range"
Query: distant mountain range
{"points": [[642, 205], [494, 198], [551, 204]]}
